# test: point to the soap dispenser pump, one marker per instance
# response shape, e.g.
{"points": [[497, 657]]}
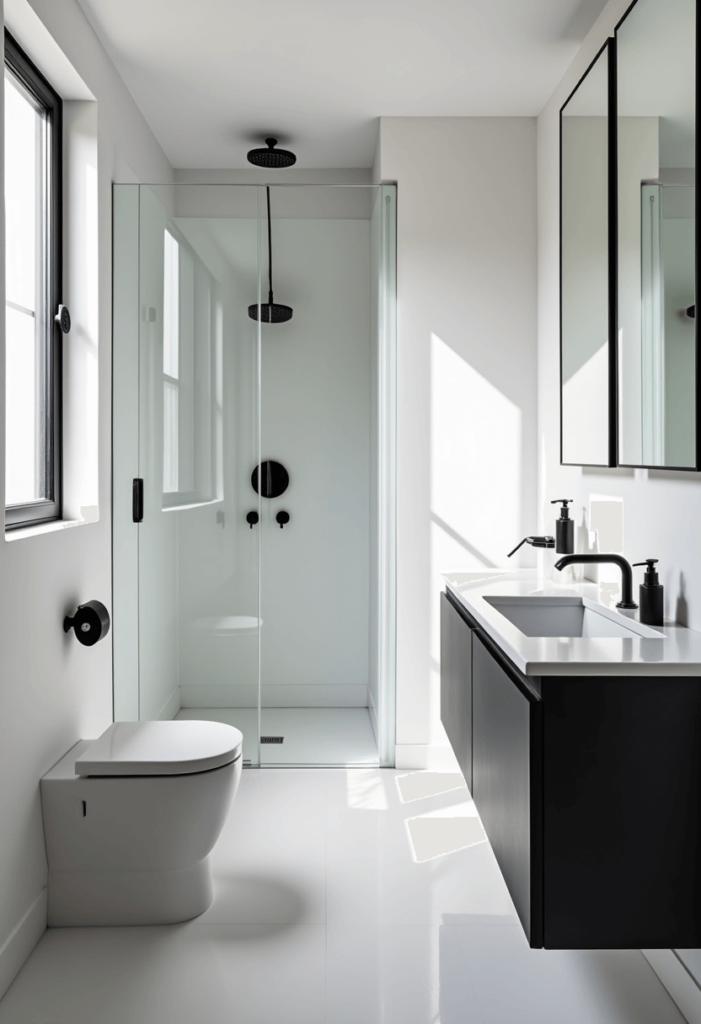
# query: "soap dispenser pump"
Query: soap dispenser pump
{"points": [[651, 595], [564, 528]]}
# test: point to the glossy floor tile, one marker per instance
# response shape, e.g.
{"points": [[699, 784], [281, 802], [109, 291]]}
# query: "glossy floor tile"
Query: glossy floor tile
{"points": [[311, 736], [325, 914]]}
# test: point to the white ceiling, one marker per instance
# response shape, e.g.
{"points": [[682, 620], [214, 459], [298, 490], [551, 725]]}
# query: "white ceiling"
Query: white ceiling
{"points": [[214, 76]]}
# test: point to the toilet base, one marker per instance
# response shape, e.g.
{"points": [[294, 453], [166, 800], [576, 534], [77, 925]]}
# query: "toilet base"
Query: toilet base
{"points": [[103, 898]]}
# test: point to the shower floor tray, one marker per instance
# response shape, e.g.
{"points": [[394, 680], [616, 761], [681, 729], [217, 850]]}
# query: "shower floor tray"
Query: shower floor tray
{"points": [[311, 737]]}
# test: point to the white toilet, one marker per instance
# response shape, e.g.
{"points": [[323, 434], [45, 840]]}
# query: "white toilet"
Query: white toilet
{"points": [[130, 820]]}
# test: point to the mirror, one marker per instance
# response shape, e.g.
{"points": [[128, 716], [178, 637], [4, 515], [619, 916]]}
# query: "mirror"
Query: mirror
{"points": [[587, 357], [656, 132]]}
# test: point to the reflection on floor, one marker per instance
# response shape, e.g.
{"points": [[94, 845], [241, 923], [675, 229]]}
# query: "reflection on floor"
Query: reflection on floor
{"points": [[323, 915], [312, 736]]}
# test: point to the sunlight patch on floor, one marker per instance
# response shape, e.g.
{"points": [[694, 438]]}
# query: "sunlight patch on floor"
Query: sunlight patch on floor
{"points": [[436, 837], [418, 785]]}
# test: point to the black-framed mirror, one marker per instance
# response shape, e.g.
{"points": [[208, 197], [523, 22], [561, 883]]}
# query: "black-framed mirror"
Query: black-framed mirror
{"points": [[657, 93], [587, 268]]}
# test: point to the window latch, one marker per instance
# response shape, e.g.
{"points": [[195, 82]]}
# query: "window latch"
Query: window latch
{"points": [[63, 319]]}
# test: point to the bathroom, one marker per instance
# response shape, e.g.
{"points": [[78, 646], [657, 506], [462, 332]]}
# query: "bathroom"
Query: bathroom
{"points": [[328, 907]]}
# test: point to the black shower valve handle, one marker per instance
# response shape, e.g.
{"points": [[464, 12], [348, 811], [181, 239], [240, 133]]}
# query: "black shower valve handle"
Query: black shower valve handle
{"points": [[252, 519], [282, 518]]}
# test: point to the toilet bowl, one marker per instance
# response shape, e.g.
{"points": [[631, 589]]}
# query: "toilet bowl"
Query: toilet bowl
{"points": [[130, 820]]}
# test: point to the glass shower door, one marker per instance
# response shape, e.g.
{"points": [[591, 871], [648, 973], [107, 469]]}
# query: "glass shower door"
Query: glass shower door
{"points": [[198, 572], [323, 691]]}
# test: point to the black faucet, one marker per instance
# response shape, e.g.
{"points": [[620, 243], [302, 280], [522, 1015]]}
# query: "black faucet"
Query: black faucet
{"points": [[625, 567]]}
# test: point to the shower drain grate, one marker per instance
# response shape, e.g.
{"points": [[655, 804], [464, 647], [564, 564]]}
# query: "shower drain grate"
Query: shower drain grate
{"points": [[272, 739]]}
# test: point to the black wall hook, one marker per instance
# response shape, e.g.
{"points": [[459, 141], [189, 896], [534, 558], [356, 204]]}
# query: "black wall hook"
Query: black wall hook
{"points": [[282, 518], [91, 622], [252, 519]]}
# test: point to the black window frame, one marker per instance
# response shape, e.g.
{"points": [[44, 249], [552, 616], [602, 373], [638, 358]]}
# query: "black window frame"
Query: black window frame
{"points": [[49, 508]]}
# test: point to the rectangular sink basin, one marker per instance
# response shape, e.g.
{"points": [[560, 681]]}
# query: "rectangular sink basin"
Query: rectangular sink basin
{"points": [[568, 617]]}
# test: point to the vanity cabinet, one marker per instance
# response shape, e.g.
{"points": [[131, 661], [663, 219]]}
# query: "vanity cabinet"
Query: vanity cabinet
{"points": [[507, 775], [456, 683], [589, 789]]}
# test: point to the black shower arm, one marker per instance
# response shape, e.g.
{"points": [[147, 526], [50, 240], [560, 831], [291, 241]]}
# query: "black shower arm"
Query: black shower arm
{"points": [[270, 250]]}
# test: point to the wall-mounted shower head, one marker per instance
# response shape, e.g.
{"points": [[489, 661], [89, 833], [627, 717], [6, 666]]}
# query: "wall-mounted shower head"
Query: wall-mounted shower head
{"points": [[271, 157]]}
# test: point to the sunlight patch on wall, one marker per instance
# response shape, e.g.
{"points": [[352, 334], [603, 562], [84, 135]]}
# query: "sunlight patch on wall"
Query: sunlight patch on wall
{"points": [[475, 465]]}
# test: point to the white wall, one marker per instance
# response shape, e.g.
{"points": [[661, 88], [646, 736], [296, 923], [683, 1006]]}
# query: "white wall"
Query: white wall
{"points": [[52, 691], [661, 509], [466, 279]]}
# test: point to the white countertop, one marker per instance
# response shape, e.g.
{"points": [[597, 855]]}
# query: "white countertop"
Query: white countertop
{"points": [[677, 654]]}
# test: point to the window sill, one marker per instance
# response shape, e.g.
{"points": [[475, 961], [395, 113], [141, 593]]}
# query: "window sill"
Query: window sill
{"points": [[20, 532], [194, 504]]}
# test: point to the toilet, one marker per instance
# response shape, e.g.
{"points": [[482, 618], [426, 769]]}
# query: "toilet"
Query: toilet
{"points": [[130, 820]]}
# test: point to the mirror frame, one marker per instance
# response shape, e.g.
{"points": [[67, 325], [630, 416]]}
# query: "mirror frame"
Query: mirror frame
{"points": [[697, 275], [609, 49]]}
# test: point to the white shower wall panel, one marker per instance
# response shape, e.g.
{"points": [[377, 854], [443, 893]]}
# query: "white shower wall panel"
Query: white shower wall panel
{"points": [[315, 416], [315, 419]]}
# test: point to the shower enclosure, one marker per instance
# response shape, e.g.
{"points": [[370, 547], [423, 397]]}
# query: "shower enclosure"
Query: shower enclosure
{"points": [[254, 466]]}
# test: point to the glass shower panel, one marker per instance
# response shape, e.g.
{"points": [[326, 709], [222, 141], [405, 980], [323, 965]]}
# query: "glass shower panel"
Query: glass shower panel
{"points": [[319, 419], [198, 553], [258, 587]]}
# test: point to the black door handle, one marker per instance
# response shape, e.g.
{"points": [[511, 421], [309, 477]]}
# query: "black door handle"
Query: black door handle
{"points": [[137, 500]]}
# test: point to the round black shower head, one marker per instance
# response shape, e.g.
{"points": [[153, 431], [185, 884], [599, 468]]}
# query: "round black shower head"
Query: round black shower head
{"points": [[271, 157], [270, 312]]}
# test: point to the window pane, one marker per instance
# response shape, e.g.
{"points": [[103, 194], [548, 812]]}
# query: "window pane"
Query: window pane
{"points": [[171, 305], [25, 412], [32, 157], [170, 437], [23, 126], [22, 472]]}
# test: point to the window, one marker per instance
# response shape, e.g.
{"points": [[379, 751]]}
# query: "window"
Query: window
{"points": [[191, 354], [32, 293]]}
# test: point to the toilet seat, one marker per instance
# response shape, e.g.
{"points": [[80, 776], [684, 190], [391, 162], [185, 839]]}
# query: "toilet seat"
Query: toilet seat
{"points": [[160, 748]]}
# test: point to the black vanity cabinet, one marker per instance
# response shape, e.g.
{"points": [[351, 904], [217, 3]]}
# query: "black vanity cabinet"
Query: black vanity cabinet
{"points": [[589, 789], [507, 775], [456, 683]]}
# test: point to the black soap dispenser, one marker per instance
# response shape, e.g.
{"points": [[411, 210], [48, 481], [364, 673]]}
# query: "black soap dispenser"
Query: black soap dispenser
{"points": [[564, 528], [651, 595]]}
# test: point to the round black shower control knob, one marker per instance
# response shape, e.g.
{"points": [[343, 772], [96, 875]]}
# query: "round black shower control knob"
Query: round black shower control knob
{"points": [[91, 622], [63, 319], [282, 518], [270, 479], [252, 519]]}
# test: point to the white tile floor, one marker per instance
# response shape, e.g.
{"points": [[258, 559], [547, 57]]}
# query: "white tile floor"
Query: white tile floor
{"points": [[322, 915], [312, 736]]}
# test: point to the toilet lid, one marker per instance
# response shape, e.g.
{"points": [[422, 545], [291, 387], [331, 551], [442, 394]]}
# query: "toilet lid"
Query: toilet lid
{"points": [[160, 748]]}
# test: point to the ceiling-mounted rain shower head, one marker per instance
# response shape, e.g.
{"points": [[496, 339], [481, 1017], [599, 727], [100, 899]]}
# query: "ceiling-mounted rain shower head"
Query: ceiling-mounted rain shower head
{"points": [[271, 157], [271, 312]]}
